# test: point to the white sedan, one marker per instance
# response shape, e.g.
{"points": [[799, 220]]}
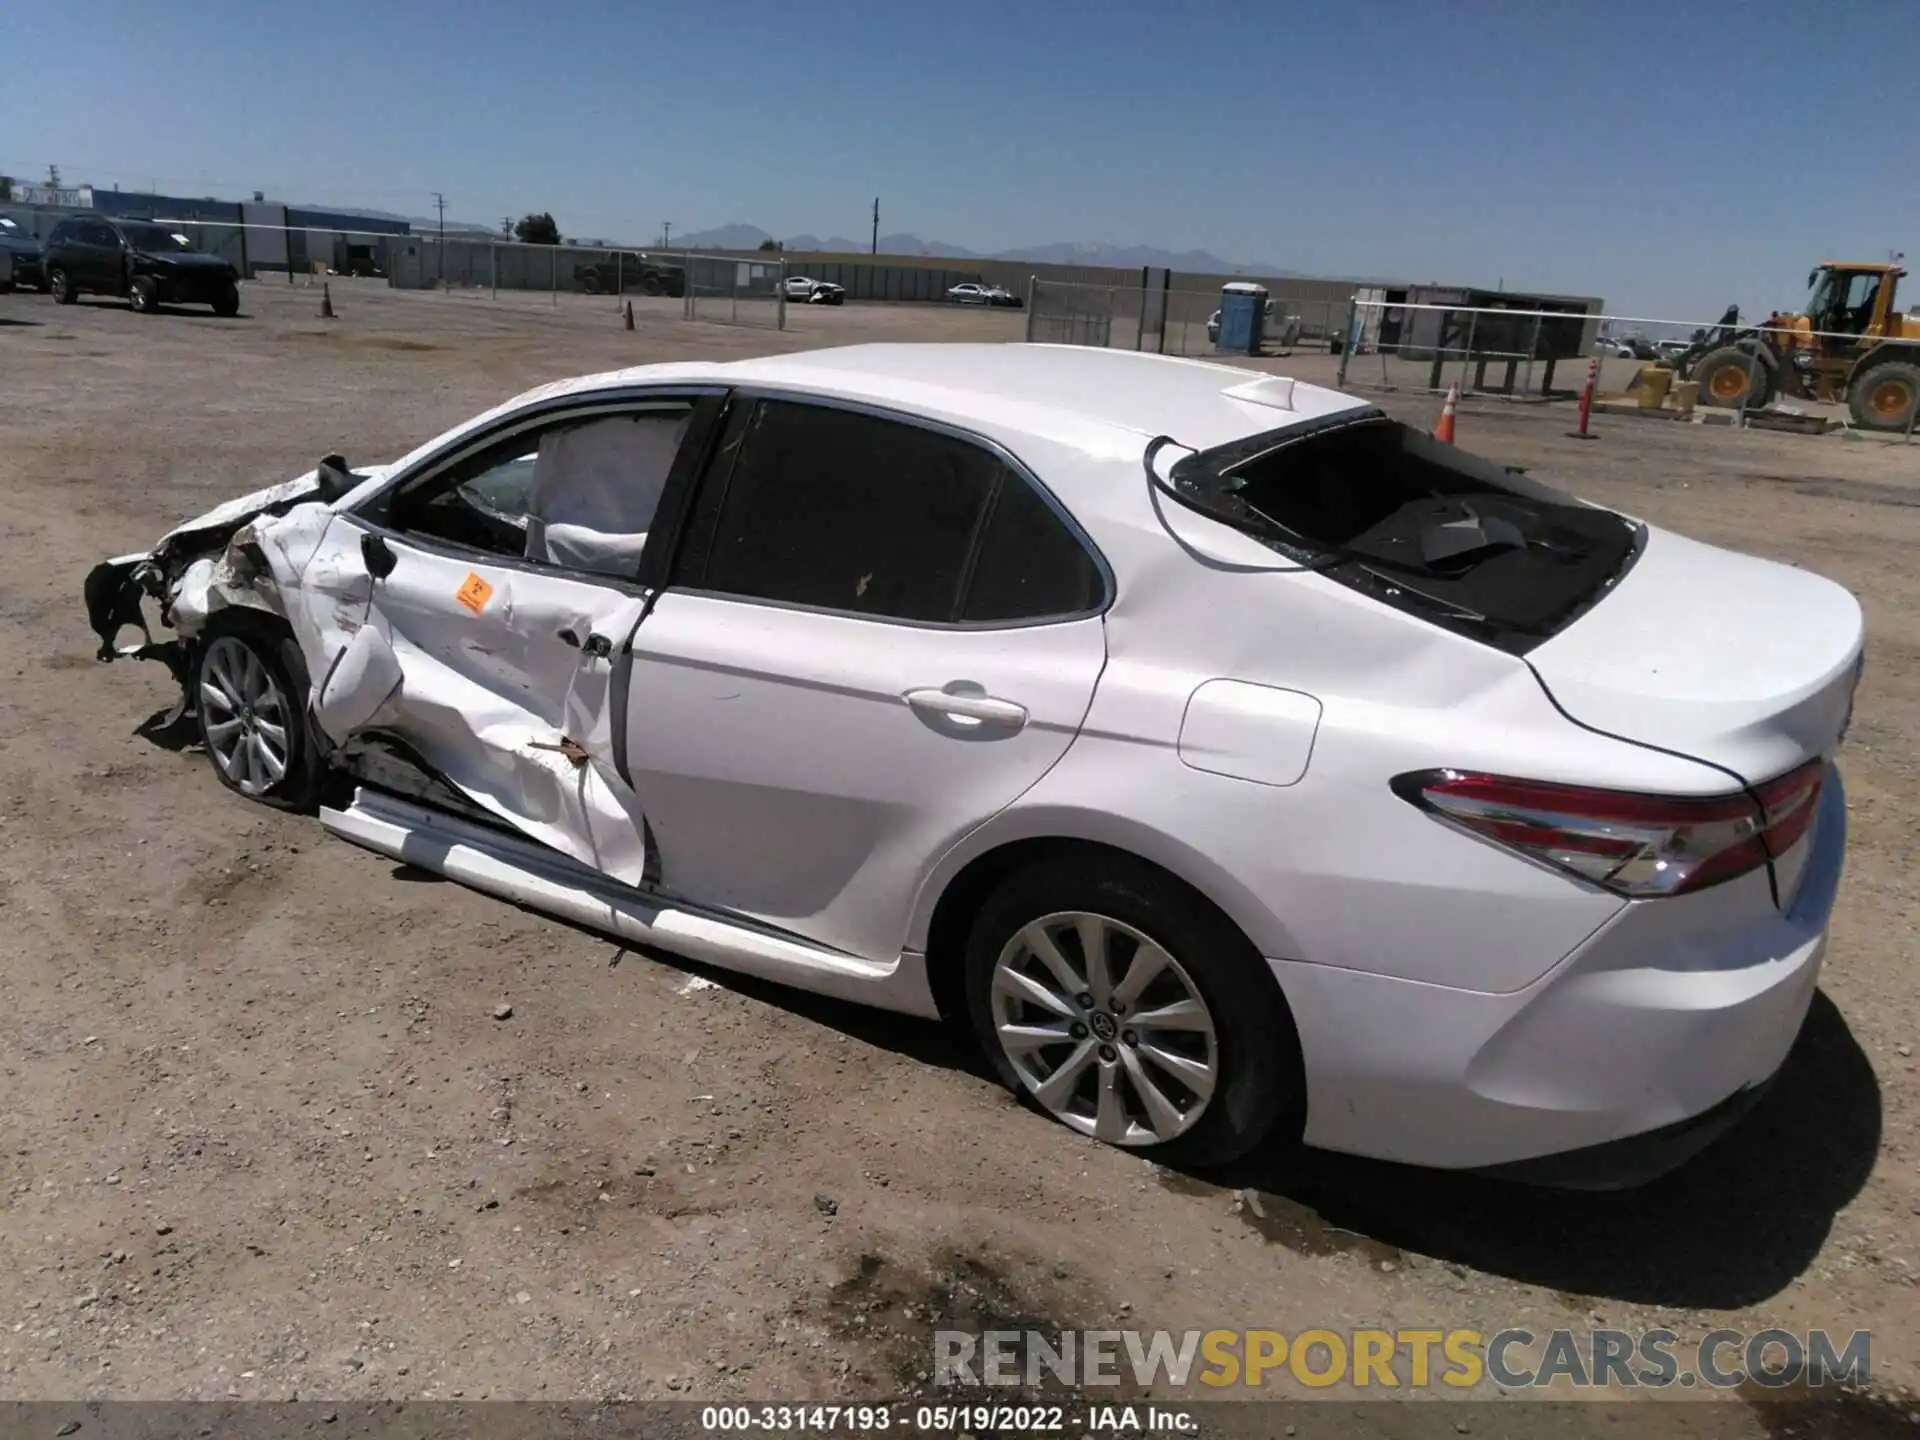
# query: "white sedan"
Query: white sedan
{"points": [[1234, 761], [807, 291], [970, 293]]}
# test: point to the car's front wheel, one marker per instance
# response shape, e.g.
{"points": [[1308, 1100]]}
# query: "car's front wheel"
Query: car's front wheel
{"points": [[144, 296], [226, 303], [62, 286], [250, 689], [1127, 1008]]}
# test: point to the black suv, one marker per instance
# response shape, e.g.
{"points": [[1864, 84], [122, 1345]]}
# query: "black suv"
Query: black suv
{"points": [[147, 262]]}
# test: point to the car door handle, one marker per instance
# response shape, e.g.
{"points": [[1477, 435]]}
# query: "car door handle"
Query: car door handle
{"points": [[596, 645], [983, 708]]}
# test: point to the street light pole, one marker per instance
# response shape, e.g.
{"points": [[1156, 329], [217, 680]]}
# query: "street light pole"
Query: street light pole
{"points": [[440, 201], [875, 250]]}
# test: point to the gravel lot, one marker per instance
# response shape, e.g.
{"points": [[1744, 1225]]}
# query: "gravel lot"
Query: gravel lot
{"points": [[264, 1136]]}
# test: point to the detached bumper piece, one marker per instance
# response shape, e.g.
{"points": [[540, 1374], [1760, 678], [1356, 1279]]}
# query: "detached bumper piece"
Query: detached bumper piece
{"points": [[114, 590]]}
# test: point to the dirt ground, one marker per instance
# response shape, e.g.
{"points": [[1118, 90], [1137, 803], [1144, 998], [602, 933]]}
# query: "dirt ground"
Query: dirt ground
{"points": [[263, 1137]]}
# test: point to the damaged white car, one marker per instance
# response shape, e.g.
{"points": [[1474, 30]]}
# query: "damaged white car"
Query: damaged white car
{"points": [[1234, 760]]}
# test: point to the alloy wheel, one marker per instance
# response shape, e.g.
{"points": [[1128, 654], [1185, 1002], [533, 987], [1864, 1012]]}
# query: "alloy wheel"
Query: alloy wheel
{"points": [[246, 715], [1105, 1029]]}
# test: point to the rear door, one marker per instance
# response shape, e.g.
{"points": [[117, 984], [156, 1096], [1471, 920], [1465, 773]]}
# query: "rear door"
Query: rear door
{"points": [[877, 635]]}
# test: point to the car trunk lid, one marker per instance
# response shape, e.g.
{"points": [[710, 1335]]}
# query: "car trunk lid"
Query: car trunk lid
{"points": [[1743, 663]]}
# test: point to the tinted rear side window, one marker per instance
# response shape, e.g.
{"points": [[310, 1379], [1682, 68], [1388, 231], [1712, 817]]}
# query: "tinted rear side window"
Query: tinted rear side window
{"points": [[850, 512], [1030, 565], [841, 510]]}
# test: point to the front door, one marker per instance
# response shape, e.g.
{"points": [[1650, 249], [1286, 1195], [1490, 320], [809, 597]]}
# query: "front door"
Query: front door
{"points": [[508, 597], [877, 635]]}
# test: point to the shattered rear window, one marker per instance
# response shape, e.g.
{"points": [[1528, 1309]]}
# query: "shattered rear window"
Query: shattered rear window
{"points": [[1468, 544]]}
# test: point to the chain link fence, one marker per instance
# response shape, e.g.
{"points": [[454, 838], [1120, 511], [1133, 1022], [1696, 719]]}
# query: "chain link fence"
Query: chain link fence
{"points": [[730, 291], [1778, 376], [1505, 350], [1163, 321]]}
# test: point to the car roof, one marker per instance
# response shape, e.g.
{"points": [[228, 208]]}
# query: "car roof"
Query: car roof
{"points": [[1033, 389]]}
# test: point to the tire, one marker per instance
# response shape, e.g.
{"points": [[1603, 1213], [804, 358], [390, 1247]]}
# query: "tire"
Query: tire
{"points": [[227, 303], [60, 283], [1244, 1078], [1723, 375], [1883, 396], [590, 283], [248, 673], [650, 285], [143, 297]]}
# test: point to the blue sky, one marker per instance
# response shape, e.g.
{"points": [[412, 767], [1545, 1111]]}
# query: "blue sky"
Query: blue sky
{"points": [[1671, 158]]}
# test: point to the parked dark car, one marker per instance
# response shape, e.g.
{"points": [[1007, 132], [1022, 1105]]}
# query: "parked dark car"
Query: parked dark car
{"points": [[20, 267], [147, 263]]}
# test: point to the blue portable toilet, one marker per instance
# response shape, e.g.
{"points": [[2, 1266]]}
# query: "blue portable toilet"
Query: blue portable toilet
{"points": [[1243, 313]]}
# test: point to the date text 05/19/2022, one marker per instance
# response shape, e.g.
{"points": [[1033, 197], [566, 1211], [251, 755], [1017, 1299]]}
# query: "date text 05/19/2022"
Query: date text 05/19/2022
{"points": [[947, 1420]]}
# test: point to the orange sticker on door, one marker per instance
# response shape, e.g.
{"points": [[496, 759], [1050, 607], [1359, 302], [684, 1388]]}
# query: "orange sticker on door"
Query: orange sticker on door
{"points": [[474, 593]]}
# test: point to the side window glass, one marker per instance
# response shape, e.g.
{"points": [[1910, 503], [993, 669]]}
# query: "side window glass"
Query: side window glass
{"points": [[481, 505], [1030, 567], [579, 495], [851, 512]]}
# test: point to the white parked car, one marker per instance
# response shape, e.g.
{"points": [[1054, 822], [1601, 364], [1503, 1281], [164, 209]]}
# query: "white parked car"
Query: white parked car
{"points": [[970, 293], [807, 291], [1235, 761]]}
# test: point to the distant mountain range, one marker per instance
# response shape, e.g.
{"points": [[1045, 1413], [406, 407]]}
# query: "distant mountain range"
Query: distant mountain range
{"points": [[1068, 252]]}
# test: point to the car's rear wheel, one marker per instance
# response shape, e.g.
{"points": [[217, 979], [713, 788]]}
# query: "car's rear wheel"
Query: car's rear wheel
{"points": [[1128, 1009], [144, 296], [226, 303], [62, 286], [250, 689]]}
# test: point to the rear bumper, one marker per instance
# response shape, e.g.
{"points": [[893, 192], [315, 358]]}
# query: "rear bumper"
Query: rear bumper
{"points": [[1637, 1159], [1659, 1029]]}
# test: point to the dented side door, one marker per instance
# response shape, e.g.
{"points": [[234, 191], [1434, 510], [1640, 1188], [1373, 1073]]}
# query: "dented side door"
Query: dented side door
{"points": [[513, 687]]}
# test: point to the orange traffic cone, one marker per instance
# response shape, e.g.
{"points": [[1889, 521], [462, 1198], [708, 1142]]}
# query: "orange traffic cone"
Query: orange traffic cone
{"points": [[326, 301], [1443, 432], [628, 321]]}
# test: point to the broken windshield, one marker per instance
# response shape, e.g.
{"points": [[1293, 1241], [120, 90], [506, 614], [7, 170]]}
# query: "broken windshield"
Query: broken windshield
{"points": [[1469, 544]]}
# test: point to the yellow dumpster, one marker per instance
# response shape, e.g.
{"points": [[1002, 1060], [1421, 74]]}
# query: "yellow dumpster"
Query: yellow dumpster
{"points": [[1654, 383], [1685, 394]]}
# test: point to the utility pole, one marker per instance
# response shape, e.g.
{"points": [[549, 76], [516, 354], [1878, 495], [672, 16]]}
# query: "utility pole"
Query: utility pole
{"points": [[875, 250], [666, 233], [53, 177], [440, 201]]}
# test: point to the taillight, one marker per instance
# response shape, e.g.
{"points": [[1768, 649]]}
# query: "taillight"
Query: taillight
{"points": [[1633, 844]]}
